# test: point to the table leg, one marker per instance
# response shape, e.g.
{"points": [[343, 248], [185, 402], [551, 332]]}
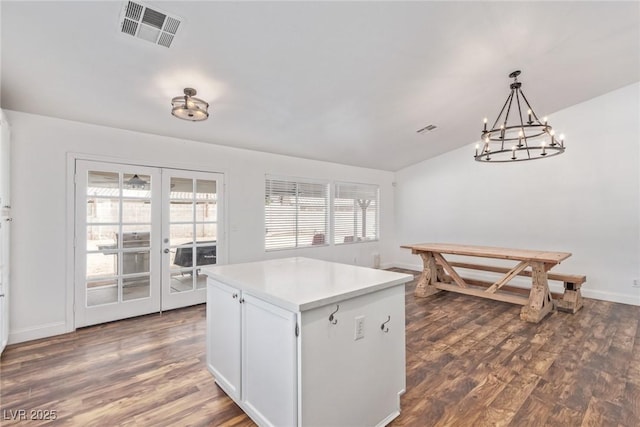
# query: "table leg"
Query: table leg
{"points": [[540, 301], [429, 276], [442, 275]]}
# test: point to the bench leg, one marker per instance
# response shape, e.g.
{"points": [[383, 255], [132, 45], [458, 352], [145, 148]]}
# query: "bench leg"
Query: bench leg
{"points": [[540, 301], [571, 300], [429, 276]]}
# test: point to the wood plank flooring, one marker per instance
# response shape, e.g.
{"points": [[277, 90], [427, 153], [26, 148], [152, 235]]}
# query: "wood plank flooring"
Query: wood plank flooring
{"points": [[470, 362]]}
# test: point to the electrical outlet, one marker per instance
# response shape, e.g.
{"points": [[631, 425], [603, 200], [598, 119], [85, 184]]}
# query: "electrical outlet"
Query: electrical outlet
{"points": [[636, 283], [359, 332]]}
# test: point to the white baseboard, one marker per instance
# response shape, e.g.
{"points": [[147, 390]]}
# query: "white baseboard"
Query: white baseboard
{"points": [[611, 296], [553, 286], [37, 332], [408, 266]]}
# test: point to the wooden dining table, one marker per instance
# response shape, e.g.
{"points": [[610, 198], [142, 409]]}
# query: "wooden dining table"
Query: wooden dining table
{"points": [[438, 274]]}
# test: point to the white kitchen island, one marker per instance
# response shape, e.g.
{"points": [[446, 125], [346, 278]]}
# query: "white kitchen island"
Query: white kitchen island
{"points": [[304, 342]]}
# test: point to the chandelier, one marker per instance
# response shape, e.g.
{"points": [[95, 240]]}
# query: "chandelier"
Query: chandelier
{"points": [[512, 138], [189, 108]]}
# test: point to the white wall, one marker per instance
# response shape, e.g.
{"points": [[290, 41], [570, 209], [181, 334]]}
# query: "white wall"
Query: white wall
{"points": [[40, 305], [585, 201]]}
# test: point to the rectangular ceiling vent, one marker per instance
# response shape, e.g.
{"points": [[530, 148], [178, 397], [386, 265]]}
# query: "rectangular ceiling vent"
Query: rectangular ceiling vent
{"points": [[428, 128], [148, 24]]}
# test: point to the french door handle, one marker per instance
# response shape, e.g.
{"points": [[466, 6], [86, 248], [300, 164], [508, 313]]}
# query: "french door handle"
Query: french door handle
{"points": [[166, 251]]}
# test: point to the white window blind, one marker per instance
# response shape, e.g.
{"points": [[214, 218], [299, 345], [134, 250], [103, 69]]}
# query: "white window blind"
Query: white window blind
{"points": [[296, 213], [355, 213]]}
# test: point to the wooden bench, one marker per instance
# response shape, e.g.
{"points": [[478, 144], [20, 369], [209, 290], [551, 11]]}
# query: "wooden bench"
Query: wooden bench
{"points": [[569, 301]]}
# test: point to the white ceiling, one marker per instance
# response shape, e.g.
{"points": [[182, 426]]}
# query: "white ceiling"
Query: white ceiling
{"points": [[346, 82]]}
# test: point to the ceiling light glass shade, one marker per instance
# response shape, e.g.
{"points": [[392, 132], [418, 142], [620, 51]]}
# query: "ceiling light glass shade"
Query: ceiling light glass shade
{"points": [[189, 108], [518, 134]]}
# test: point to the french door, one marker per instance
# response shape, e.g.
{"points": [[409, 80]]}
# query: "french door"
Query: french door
{"points": [[142, 235]]}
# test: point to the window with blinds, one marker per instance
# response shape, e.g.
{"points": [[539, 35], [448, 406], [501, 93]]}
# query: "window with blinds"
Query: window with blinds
{"points": [[355, 213], [296, 214]]}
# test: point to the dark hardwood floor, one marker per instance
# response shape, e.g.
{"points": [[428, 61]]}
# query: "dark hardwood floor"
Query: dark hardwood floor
{"points": [[470, 362]]}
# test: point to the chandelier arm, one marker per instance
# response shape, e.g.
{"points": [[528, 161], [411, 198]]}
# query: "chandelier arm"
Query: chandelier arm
{"points": [[533, 113], [503, 128], [501, 111], [524, 134]]}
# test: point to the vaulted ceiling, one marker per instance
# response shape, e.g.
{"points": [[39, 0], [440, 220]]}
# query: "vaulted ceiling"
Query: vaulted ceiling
{"points": [[346, 82]]}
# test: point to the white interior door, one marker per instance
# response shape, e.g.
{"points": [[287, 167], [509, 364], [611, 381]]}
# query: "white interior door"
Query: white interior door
{"points": [[118, 223], [191, 235], [142, 236]]}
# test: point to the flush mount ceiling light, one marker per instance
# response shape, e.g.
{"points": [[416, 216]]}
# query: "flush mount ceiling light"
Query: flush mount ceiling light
{"points": [[189, 108], [514, 139]]}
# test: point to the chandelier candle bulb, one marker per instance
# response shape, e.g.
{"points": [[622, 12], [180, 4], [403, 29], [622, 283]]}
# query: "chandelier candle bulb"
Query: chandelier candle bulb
{"points": [[529, 114], [485, 124], [477, 146], [513, 153], [544, 153]]}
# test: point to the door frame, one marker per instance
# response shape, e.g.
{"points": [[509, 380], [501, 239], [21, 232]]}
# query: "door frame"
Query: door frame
{"points": [[70, 243]]}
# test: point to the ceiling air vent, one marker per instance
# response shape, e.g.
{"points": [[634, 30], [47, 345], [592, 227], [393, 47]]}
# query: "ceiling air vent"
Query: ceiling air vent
{"points": [[148, 24], [428, 128]]}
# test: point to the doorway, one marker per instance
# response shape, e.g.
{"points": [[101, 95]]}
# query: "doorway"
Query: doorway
{"points": [[142, 236]]}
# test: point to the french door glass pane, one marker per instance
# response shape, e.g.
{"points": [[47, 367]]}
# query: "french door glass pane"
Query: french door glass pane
{"points": [[180, 234], [135, 262], [142, 231], [181, 281], [136, 185], [201, 281], [206, 232], [180, 211], [206, 211], [98, 182], [101, 265], [102, 292], [103, 210], [136, 210], [102, 237], [135, 288], [207, 254], [205, 189], [181, 189]]}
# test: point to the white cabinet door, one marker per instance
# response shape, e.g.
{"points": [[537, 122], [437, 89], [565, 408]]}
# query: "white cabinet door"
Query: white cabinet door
{"points": [[223, 336], [269, 363]]}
